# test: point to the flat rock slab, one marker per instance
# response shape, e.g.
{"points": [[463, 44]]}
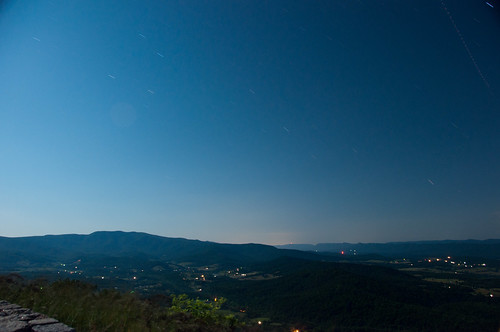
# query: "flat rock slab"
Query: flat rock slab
{"points": [[43, 321], [14, 326], [6, 305], [14, 318], [57, 327]]}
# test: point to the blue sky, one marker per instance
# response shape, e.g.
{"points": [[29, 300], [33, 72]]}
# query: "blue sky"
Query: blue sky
{"points": [[245, 121]]}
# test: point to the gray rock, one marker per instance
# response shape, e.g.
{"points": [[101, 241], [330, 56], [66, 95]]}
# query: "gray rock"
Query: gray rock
{"points": [[43, 321], [14, 326], [7, 306], [57, 327], [14, 318], [30, 316]]}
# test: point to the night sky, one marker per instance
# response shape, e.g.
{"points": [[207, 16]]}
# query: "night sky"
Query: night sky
{"points": [[251, 121]]}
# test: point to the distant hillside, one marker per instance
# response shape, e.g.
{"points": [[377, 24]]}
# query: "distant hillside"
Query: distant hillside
{"points": [[51, 248], [466, 248]]}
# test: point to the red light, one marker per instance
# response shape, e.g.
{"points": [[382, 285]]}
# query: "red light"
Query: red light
{"points": [[342, 252]]}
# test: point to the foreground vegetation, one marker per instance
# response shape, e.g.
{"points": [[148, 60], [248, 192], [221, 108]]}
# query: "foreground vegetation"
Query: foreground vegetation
{"points": [[85, 308]]}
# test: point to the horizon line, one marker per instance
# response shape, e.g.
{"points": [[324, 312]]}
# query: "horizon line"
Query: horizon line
{"points": [[243, 243]]}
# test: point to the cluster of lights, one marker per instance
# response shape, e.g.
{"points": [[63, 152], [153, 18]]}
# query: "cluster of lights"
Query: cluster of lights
{"points": [[448, 260]]}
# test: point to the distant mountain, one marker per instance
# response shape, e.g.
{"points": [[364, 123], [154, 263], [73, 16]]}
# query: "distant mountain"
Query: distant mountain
{"points": [[464, 248], [52, 248]]}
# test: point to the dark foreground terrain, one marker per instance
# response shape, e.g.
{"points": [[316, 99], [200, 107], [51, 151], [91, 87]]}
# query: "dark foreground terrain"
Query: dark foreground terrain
{"points": [[115, 281]]}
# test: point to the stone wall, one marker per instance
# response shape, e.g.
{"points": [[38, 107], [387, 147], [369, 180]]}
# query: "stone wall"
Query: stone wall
{"points": [[13, 318]]}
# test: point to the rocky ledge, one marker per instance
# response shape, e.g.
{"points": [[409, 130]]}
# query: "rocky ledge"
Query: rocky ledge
{"points": [[13, 318]]}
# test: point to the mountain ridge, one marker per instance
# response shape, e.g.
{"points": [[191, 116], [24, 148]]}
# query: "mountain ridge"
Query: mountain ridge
{"points": [[41, 250], [122, 244]]}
